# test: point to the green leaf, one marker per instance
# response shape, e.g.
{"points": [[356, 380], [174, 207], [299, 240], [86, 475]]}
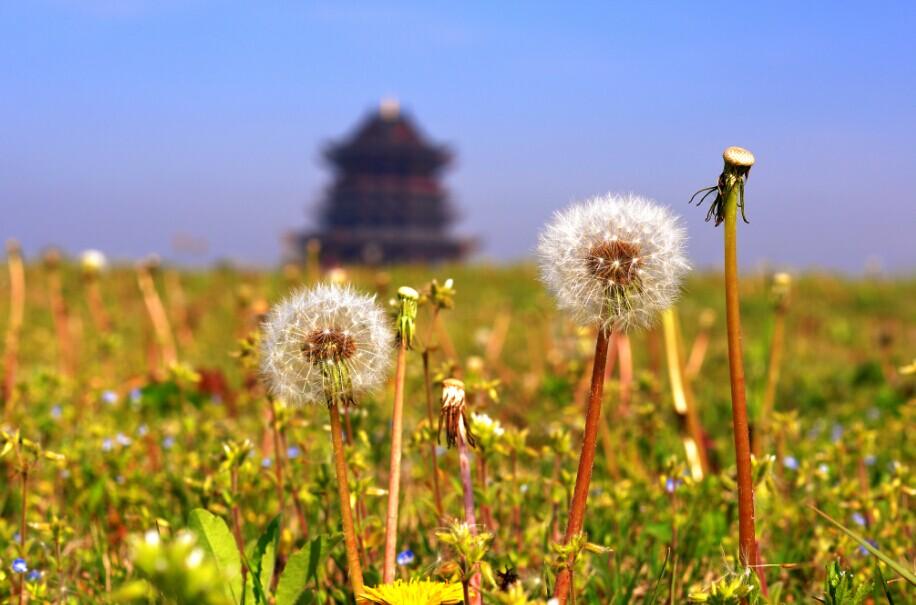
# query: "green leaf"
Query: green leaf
{"points": [[261, 563], [895, 565], [216, 539], [303, 567]]}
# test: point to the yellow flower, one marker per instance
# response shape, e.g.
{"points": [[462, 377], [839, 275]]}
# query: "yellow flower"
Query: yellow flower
{"points": [[414, 592]]}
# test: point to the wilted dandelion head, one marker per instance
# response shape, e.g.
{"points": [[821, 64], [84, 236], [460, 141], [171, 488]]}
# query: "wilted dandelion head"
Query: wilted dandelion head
{"points": [[325, 344], [454, 414], [614, 260]]}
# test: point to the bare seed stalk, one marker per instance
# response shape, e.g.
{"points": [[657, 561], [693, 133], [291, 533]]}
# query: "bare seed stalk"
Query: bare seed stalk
{"points": [[586, 461], [746, 533]]}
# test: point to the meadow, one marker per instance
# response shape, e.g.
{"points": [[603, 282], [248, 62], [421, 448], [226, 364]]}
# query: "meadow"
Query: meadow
{"points": [[140, 443]]}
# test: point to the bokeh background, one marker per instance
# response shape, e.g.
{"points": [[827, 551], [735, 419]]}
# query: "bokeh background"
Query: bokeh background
{"points": [[130, 125]]}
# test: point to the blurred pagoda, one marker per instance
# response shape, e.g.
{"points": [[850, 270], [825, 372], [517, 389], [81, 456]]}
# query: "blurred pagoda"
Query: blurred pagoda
{"points": [[386, 204]]}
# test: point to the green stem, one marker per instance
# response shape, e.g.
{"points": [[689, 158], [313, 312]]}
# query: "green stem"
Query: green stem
{"points": [[394, 470]]}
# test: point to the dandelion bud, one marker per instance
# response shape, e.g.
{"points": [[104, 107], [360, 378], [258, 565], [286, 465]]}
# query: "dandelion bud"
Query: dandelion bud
{"points": [[407, 315], [92, 262], [325, 344], [454, 414], [781, 288]]}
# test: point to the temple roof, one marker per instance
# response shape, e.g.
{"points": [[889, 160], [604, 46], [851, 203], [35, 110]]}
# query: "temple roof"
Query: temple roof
{"points": [[388, 134]]}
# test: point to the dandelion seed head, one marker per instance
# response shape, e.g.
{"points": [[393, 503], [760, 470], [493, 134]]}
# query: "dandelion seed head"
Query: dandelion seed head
{"points": [[614, 260], [315, 328]]}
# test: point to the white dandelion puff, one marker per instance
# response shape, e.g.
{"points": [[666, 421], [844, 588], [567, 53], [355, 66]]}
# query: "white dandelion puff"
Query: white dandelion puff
{"points": [[614, 261], [327, 344]]}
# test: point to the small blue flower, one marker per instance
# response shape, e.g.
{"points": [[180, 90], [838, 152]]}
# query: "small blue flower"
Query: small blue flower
{"points": [[136, 396], [109, 397], [858, 518], [107, 444], [123, 439], [19, 565], [406, 557], [33, 576], [16, 536], [671, 484], [292, 452], [837, 432], [56, 411], [790, 462], [142, 430], [266, 462], [168, 442]]}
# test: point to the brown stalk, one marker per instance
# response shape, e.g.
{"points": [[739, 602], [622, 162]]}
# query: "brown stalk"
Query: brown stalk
{"points": [[354, 568], [586, 462]]}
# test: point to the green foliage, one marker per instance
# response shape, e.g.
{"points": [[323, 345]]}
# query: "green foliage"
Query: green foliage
{"points": [[303, 577], [842, 588], [217, 541], [126, 445]]}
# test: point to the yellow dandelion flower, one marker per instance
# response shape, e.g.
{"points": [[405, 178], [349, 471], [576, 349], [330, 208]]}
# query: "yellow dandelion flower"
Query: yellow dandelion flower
{"points": [[414, 592]]}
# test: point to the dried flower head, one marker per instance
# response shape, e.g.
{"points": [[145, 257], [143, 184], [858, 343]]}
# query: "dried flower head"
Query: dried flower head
{"points": [[325, 344], [738, 163], [454, 414], [613, 261]]}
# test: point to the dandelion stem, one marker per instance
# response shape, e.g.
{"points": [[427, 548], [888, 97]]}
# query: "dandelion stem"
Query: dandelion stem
{"points": [[237, 521], [746, 538], [433, 456], [684, 404], [586, 461], [158, 317], [761, 437], [13, 326], [278, 455], [354, 569], [24, 476], [467, 488], [394, 471]]}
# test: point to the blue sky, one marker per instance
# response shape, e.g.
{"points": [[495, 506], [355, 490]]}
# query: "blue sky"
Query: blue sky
{"points": [[127, 122]]}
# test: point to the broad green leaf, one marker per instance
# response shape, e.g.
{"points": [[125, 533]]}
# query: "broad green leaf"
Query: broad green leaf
{"points": [[261, 561], [303, 567], [216, 539]]}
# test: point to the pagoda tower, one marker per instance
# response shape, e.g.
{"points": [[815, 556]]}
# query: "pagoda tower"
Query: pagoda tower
{"points": [[386, 203]]}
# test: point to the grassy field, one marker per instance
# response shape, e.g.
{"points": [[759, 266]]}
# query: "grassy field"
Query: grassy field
{"points": [[118, 443]]}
